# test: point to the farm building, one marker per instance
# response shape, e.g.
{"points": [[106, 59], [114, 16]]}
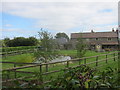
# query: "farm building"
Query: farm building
{"points": [[98, 40]]}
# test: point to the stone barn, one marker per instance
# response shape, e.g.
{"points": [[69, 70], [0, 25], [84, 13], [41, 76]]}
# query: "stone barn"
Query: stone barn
{"points": [[98, 41]]}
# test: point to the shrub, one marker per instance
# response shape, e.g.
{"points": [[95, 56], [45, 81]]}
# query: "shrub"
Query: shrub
{"points": [[85, 77], [9, 49], [73, 78]]}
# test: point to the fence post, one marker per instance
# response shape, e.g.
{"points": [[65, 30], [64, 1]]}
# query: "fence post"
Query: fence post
{"points": [[97, 61], [80, 61], [118, 54], [106, 58], [40, 68], [84, 60], [67, 63], [114, 56], [15, 74], [46, 67]]}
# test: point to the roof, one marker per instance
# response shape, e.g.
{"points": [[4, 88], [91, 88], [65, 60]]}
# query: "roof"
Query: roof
{"points": [[94, 35]]}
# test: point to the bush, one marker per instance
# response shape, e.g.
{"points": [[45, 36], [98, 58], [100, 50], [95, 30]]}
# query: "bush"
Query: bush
{"points": [[85, 77], [9, 49], [20, 41]]}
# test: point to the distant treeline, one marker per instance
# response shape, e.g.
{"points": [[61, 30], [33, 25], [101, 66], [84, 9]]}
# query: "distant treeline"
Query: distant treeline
{"points": [[20, 41]]}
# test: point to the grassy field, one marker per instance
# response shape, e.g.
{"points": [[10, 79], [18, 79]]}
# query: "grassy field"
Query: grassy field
{"points": [[27, 58], [74, 53], [17, 58], [61, 52]]}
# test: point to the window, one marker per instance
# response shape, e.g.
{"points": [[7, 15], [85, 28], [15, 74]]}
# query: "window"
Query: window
{"points": [[109, 39], [96, 38]]}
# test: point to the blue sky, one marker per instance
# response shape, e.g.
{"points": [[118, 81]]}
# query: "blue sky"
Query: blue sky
{"points": [[26, 19], [17, 26]]}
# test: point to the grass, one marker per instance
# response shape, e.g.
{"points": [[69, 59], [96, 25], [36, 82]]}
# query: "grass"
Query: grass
{"points": [[74, 53], [23, 58], [110, 63], [29, 57]]}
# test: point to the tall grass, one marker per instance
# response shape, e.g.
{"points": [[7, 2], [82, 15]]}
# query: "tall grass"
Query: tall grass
{"points": [[24, 58], [8, 49]]}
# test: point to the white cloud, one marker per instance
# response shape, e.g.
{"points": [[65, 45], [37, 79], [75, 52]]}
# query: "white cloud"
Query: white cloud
{"points": [[8, 25], [9, 30], [59, 0], [64, 16], [23, 31]]}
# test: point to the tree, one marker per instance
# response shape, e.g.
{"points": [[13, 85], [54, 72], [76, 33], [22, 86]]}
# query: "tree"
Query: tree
{"points": [[20, 41], [32, 41], [81, 47], [46, 50], [2, 44], [6, 41], [59, 35], [46, 40]]}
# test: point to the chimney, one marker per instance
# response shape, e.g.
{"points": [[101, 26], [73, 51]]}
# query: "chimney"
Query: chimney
{"points": [[92, 31], [113, 30]]}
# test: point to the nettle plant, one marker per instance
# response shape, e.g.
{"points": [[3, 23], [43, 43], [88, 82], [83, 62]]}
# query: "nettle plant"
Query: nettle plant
{"points": [[85, 77], [108, 78], [79, 77]]}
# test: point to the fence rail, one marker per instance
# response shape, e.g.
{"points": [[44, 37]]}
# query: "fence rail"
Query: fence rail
{"points": [[113, 56], [11, 53]]}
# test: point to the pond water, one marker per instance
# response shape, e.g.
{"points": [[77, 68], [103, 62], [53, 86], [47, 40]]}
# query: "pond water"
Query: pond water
{"points": [[60, 58]]}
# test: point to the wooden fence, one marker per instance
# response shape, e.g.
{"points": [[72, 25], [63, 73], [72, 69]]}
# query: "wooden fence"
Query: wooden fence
{"points": [[11, 53], [44, 67]]}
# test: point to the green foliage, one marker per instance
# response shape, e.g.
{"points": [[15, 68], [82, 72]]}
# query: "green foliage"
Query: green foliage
{"points": [[6, 41], [59, 35], [82, 77], [73, 78], [8, 49], [85, 77], [2, 43], [107, 78], [81, 48], [47, 51], [21, 41], [47, 41]]}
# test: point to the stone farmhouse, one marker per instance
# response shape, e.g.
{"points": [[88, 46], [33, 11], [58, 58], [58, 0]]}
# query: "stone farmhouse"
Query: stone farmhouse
{"points": [[98, 41]]}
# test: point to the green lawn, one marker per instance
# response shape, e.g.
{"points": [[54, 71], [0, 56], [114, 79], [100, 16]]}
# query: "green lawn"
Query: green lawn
{"points": [[74, 53]]}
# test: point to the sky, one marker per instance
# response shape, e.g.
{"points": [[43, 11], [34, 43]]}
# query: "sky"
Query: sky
{"points": [[25, 19]]}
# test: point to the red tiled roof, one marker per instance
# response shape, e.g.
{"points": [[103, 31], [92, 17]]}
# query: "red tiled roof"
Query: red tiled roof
{"points": [[94, 35]]}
